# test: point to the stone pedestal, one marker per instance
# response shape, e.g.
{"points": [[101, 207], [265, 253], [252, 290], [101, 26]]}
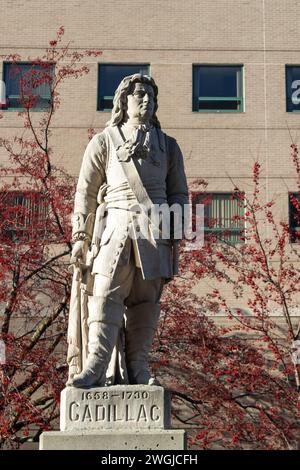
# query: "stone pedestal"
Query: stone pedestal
{"points": [[120, 417]]}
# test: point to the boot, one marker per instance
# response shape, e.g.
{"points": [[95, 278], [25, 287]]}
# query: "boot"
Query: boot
{"points": [[141, 321], [102, 339]]}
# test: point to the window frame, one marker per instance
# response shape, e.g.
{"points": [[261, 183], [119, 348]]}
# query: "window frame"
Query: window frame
{"points": [[99, 97], [30, 228], [5, 75], [293, 229], [216, 230], [240, 98], [286, 89]]}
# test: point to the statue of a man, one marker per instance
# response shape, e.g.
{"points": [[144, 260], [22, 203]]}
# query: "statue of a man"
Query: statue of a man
{"points": [[132, 164]]}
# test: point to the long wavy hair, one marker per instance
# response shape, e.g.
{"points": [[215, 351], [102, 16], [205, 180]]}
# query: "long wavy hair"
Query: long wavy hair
{"points": [[125, 88]]}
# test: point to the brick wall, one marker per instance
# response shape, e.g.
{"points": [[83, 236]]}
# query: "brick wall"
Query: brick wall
{"points": [[171, 35]]}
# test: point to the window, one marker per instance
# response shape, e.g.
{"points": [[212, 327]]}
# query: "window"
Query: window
{"points": [[218, 88], [223, 216], [110, 76], [23, 215], [294, 217], [28, 85], [292, 88]]}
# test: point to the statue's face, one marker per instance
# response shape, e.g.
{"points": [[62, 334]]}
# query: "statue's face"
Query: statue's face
{"points": [[140, 104]]}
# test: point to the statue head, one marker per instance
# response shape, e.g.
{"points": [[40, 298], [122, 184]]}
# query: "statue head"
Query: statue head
{"points": [[126, 87]]}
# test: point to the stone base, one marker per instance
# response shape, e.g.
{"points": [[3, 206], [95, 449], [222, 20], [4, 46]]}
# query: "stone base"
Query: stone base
{"points": [[173, 439], [119, 417]]}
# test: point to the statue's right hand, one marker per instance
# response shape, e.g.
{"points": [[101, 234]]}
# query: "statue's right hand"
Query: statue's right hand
{"points": [[79, 251]]}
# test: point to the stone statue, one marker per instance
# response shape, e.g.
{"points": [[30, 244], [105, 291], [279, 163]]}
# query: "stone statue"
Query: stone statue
{"points": [[120, 260]]}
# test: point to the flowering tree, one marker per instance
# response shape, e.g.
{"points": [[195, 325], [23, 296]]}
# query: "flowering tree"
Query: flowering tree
{"points": [[36, 201], [238, 383], [234, 385]]}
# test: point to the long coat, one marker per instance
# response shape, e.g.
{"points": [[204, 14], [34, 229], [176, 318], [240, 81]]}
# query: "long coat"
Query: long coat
{"points": [[162, 174]]}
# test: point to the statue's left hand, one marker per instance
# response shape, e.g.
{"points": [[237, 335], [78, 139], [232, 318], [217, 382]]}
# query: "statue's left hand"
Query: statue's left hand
{"points": [[79, 251]]}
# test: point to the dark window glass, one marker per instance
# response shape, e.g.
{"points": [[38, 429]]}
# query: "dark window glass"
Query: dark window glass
{"points": [[28, 85], [223, 216], [293, 88], [110, 76], [219, 105], [217, 88], [294, 217]]}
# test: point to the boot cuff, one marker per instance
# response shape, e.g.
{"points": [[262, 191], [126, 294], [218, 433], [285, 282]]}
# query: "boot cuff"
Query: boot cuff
{"points": [[105, 310]]}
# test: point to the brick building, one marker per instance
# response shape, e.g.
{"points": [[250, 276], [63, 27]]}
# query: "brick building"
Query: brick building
{"points": [[227, 73]]}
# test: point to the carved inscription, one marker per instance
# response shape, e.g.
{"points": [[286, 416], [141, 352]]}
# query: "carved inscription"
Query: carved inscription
{"points": [[118, 407], [112, 407]]}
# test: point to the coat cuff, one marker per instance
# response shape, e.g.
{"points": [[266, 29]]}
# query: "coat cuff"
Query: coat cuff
{"points": [[82, 226]]}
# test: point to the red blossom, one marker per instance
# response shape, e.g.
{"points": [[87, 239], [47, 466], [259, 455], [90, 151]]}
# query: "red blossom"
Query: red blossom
{"points": [[36, 202]]}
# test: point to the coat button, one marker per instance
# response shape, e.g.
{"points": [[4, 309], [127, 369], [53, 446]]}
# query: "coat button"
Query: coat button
{"points": [[121, 245]]}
